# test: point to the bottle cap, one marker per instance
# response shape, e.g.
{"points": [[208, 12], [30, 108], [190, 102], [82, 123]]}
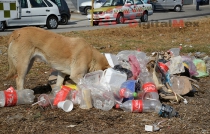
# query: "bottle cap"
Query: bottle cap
{"points": [[135, 94], [117, 106]]}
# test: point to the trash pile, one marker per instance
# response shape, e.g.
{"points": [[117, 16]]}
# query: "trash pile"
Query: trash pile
{"points": [[134, 82]]}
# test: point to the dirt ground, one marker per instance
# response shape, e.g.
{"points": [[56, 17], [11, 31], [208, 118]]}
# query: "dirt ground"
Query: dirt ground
{"points": [[194, 116]]}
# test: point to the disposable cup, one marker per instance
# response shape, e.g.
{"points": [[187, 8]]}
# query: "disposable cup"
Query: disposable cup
{"points": [[45, 100], [66, 105]]}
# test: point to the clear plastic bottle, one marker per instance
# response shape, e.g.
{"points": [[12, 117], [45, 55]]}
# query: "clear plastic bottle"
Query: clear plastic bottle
{"points": [[126, 93], [12, 97], [149, 90], [148, 106]]}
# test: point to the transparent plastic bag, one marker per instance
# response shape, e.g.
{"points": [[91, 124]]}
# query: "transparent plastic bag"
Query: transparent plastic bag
{"points": [[190, 65], [175, 65], [102, 96], [143, 59]]}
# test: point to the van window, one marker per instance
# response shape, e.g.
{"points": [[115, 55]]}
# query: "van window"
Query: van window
{"points": [[24, 4], [57, 2], [37, 3], [48, 3]]}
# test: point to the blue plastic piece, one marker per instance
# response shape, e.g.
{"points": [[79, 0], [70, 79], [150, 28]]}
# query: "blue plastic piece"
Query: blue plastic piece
{"points": [[129, 84]]}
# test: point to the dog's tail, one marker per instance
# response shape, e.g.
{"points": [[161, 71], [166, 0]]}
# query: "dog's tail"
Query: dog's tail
{"points": [[12, 69]]}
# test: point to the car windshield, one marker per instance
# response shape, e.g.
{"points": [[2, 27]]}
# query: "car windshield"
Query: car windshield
{"points": [[113, 3]]}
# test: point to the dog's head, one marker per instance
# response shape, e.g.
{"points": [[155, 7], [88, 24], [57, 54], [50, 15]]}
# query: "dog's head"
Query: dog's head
{"points": [[100, 60]]}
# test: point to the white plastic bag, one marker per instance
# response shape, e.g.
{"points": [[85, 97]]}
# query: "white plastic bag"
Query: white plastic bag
{"points": [[175, 65]]}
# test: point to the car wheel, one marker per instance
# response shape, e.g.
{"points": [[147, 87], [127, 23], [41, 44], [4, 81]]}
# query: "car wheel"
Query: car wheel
{"points": [[64, 19], [2, 26], [144, 17], [87, 9], [120, 18], [177, 8], [95, 23], [52, 22]]}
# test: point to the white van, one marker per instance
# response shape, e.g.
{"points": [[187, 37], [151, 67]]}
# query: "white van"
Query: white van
{"points": [[36, 13]]}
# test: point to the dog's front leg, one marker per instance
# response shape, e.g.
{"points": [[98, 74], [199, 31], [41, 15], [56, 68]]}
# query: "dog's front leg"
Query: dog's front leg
{"points": [[60, 79]]}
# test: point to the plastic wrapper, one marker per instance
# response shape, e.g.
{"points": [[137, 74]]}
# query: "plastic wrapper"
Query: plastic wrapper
{"points": [[190, 65]]}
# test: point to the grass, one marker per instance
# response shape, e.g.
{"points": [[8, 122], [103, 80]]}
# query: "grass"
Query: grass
{"points": [[113, 40]]}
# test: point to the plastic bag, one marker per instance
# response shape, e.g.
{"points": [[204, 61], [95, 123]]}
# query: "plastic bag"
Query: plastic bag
{"points": [[190, 65], [175, 65], [135, 68], [201, 68], [123, 58]]}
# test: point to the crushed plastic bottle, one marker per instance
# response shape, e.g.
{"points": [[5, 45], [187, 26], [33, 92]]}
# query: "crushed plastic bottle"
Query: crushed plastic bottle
{"points": [[12, 97], [140, 106]]}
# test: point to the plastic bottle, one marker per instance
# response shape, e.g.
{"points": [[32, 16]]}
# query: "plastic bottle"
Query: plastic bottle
{"points": [[129, 85], [148, 106], [126, 93], [12, 97], [149, 90]]}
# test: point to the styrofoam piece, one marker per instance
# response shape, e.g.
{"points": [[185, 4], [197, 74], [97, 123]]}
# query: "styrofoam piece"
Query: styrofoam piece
{"points": [[66, 105], [112, 59]]}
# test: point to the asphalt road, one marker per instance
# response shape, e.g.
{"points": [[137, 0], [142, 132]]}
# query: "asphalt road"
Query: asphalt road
{"points": [[80, 22]]}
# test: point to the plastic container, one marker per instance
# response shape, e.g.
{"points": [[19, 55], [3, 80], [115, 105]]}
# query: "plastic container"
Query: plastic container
{"points": [[12, 97], [113, 78], [61, 95], [75, 96], [94, 77], [45, 100], [102, 98], [148, 106]]}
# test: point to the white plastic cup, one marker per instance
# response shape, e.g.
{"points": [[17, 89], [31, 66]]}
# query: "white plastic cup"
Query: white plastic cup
{"points": [[66, 105]]}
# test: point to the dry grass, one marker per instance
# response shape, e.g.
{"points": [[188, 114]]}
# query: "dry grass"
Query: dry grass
{"points": [[148, 40], [152, 39], [194, 117]]}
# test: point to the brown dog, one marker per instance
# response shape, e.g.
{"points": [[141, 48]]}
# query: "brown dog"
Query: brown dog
{"points": [[70, 56]]}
